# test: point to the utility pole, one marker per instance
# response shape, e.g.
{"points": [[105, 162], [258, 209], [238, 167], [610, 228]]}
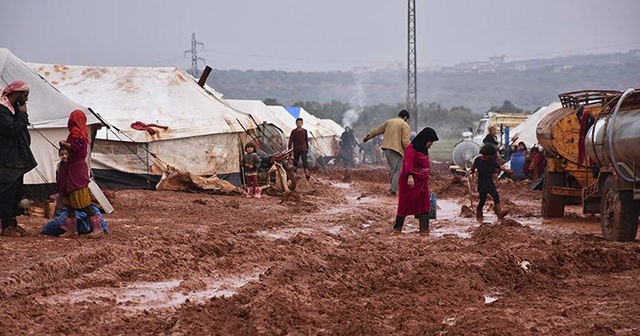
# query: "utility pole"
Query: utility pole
{"points": [[194, 55], [412, 85]]}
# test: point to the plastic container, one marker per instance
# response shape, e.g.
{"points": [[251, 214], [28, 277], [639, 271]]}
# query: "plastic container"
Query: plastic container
{"points": [[517, 162]]}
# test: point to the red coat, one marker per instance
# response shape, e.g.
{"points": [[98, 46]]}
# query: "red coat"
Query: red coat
{"points": [[416, 200]]}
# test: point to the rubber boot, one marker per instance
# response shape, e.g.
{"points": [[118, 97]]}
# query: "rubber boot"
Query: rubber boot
{"points": [[424, 225], [479, 217], [306, 174], [96, 226], [10, 228], [397, 228], [69, 226], [249, 191], [258, 192], [499, 212]]}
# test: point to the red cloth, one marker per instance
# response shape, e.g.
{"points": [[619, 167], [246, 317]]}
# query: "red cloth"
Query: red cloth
{"points": [[538, 161], [140, 126], [416, 200], [74, 174], [77, 126]]}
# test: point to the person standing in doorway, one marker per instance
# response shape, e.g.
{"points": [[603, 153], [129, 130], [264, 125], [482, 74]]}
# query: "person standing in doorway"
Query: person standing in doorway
{"points": [[396, 138], [16, 158], [299, 141]]}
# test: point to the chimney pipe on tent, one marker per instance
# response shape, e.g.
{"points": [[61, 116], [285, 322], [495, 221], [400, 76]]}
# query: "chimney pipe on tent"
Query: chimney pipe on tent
{"points": [[203, 77]]}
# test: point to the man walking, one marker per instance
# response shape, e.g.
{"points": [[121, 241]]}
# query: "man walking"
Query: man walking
{"points": [[396, 138], [299, 141], [16, 158]]}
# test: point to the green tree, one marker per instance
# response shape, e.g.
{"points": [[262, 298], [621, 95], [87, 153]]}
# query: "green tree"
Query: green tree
{"points": [[271, 102], [507, 107]]}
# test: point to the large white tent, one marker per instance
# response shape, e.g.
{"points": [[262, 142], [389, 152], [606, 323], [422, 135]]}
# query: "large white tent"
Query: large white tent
{"points": [[526, 131], [162, 117], [326, 139], [48, 113], [272, 134]]}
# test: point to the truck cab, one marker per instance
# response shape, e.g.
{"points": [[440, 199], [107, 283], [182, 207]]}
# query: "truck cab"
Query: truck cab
{"points": [[500, 121]]}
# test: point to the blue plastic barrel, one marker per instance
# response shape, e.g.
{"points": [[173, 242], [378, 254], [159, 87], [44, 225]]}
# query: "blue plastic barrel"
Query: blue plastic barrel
{"points": [[517, 162]]}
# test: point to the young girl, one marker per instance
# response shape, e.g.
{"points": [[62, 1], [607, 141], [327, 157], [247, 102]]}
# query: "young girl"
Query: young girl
{"points": [[250, 162], [486, 164], [73, 177]]}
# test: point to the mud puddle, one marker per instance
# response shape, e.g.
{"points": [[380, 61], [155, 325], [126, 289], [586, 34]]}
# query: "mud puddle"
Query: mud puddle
{"points": [[140, 296]]}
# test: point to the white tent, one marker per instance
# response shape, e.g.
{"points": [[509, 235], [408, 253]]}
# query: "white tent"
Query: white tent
{"points": [[526, 131], [332, 126], [203, 135], [271, 135], [48, 113], [327, 141]]}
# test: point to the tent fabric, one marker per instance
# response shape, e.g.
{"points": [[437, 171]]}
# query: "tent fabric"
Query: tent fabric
{"points": [[526, 131], [204, 134], [327, 141], [294, 111], [49, 111], [163, 96], [272, 136]]}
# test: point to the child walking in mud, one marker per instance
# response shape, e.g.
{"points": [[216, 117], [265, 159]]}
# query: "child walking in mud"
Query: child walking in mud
{"points": [[486, 164], [250, 163]]}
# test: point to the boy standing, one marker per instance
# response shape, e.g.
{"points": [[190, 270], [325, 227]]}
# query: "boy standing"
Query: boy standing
{"points": [[299, 141]]}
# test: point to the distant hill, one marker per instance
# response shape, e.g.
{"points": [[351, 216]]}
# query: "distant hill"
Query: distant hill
{"points": [[478, 86]]}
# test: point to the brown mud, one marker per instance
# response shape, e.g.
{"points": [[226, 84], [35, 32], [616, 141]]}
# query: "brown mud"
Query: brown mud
{"points": [[322, 261]]}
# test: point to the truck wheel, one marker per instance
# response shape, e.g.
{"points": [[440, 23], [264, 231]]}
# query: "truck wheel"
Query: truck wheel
{"points": [[618, 213], [552, 205]]}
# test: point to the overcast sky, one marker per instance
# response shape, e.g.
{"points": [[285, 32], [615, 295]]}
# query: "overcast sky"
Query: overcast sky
{"points": [[311, 35]]}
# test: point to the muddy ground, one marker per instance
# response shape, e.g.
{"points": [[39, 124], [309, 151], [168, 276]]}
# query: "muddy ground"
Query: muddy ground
{"points": [[322, 262]]}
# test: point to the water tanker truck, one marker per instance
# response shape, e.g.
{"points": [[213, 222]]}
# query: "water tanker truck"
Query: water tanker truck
{"points": [[468, 148], [592, 147]]}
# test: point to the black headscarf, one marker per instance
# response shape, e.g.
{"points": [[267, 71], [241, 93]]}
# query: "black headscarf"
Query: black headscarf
{"points": [[420, 141]]}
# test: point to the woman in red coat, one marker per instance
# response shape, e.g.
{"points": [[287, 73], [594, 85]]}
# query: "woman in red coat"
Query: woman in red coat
{"points": [[414, 197]]}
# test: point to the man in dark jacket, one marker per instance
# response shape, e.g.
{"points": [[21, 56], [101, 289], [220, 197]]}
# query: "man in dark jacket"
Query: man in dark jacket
{"points": [[16, 158], [348, 142]]}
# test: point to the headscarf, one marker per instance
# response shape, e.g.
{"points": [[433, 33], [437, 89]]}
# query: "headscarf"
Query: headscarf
{"points": [[16, 86], [77, 125], [420, 141]]}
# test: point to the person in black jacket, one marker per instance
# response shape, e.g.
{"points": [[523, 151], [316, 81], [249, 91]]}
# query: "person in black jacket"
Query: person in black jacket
{"points": [[348, 142], [16, 158]]}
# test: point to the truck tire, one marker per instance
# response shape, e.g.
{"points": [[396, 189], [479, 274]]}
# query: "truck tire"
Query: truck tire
{"points": [[618, 213], [552, 205]]}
